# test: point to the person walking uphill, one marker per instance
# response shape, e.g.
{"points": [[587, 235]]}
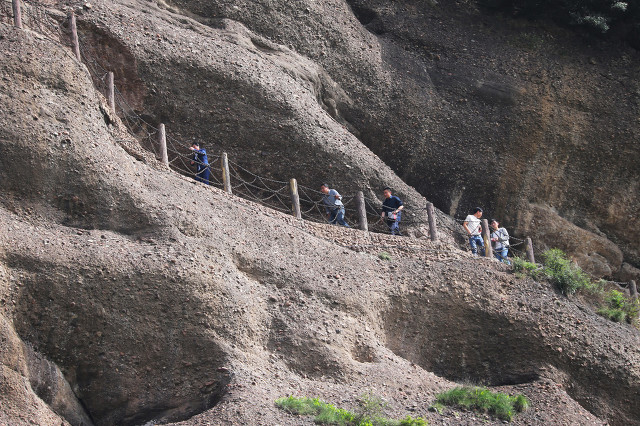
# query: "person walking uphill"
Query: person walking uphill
{"points": [[500, 238], [202, 163], [392, 210], [333, 206], [473, 227]]}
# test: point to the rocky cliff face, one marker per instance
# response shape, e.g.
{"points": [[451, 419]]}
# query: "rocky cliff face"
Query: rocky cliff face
{"points": [[535, 124], [129, 294]]}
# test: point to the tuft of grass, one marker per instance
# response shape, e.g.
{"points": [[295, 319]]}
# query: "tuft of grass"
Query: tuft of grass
{"points": [[615, 315], [301, 406], [521, 267], [324, 413], [384, 255], [410, 421], [521, 403], [368, 414], [498, 404]]}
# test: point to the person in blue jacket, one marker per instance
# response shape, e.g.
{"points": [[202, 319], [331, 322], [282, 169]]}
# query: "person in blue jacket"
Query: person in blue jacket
{"points": [[202, 163], [392, 211]]}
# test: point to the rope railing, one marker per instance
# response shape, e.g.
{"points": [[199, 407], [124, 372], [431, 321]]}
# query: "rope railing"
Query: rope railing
{"points": [[264, 190]]}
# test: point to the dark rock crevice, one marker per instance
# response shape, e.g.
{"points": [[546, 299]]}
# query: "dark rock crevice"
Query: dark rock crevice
{"points": [[367, 16]]}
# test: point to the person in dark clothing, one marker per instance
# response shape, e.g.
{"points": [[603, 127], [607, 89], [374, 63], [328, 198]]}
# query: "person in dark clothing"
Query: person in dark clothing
{"points": [[202, 163], [392, 211]]}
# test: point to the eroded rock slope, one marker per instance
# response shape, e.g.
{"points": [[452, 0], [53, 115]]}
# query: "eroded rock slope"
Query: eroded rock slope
{"points": [[534, 123], [130, 294]]}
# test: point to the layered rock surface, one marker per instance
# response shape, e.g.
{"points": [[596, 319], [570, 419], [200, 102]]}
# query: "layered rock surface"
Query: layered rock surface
{"points": [[469, 109], [130, 294]]}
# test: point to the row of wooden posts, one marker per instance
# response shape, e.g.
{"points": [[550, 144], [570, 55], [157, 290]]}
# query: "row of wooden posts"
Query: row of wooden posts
{"points": [[17, 22], [295, 198], [293, 189]]}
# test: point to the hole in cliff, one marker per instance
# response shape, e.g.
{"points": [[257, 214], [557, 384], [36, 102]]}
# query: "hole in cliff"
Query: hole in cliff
{"points": [[363, 353], [362, 13], [161, 370], [183, 411], [367, 17], [461, 343]]}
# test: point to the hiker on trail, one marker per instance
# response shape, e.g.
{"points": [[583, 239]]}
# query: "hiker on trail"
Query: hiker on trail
{"points": [[500, 239], [333, 206], [392, 211], [202, 163], [473, 227]]}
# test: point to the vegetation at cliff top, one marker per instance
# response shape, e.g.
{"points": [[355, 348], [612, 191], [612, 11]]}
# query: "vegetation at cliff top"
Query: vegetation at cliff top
{"points": [[369, 413], [570, 278], [600, 16], [498, 404]]}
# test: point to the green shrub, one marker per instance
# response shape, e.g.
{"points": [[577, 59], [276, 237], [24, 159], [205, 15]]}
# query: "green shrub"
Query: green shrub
{"points": [[368, 414], [521, 403], [301, 406], [618, 308], [567, 276], [331, 415], [595, 287], [570, 278], [498, 404]]}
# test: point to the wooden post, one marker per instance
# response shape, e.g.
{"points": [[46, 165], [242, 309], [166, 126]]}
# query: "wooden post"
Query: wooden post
{"points": [[362, 211], [226, 177], [433, 232], [486, 236], [295, 198], [633, 290], [529, 248], [111, 98], [162, 139], [17, 14], [74, 37]]}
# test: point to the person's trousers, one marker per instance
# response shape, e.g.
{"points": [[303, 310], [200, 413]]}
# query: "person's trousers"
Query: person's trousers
{"points": [[337, 216], [394, 225], [203, 174], [477, 244], [501, 255]]}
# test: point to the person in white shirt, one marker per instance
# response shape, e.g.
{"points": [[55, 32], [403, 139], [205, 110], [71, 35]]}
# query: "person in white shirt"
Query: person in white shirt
{"points": [[473, 227], [500, 239]]}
